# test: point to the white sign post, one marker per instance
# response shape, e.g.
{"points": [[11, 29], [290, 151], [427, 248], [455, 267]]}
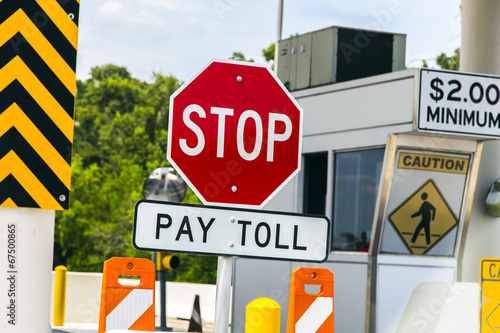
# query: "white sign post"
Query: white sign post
{"points": [[26, 242], [458, 103]]}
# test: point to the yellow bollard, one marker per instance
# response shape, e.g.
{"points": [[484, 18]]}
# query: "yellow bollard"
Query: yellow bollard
{"points": [[59, 295], [263, 315]]}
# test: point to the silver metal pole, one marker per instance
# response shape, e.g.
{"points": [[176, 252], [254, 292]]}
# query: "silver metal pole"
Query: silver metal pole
{"points": [[278, 35], [280, 20], [223, 294]]}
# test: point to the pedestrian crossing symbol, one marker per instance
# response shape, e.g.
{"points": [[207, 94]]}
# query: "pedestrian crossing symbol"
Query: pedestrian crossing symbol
{"points": [[423, 219]]}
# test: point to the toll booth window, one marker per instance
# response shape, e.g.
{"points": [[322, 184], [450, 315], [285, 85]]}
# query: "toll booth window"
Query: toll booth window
{"points": [[315, 178], [357, 175]]}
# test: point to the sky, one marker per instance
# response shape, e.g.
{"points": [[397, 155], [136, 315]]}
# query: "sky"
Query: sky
{"points": [[178, 37]]}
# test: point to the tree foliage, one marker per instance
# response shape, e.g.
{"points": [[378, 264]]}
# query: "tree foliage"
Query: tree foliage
{"points": [[241, 56], [451, 63], [269, 52], [120, 137]]}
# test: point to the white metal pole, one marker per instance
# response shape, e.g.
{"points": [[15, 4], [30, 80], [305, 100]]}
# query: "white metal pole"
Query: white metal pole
{"points": [[280, 20], [480, 37], [223, 294], [278, 36], [479, 52], [26, 255]]}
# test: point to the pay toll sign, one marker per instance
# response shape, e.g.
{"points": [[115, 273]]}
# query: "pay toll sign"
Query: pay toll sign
{"points": [[172, 227]]}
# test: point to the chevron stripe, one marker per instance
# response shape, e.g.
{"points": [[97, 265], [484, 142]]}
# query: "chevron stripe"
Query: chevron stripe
{"points": [[17, 70], [71, 7], [28, 181], [61, 20], [19, 196], [19, 22], [9, 202], [14, 117], [12, 141], [38, 44], [40, 69], [15, 93], [43, 23]]}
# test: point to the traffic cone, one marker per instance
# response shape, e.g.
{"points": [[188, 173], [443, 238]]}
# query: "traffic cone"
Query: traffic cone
{"points": [[195, 321]]}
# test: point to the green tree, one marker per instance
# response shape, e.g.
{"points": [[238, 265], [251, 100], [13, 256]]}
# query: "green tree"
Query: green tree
{"points": [[239, 55], [195, 268], [451, 63], [269, 52]]}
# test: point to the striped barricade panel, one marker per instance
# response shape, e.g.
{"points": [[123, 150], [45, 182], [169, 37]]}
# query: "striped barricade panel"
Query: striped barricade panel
{"points": [[127, 307], [310, 307]]}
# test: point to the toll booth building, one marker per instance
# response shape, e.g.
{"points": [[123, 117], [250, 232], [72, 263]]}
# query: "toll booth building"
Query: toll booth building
{"points": [[406, 204]]}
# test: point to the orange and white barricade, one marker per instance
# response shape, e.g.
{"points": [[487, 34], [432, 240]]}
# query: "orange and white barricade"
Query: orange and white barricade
{"points": [[310, 307], [127, 307]]}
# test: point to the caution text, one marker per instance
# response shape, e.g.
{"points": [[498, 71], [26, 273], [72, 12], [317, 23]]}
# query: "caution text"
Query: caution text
{"points": [[433, 163]]}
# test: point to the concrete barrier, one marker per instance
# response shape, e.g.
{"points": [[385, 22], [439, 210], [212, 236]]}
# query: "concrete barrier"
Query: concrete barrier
{"points": [[442, 307], [83, 295]]}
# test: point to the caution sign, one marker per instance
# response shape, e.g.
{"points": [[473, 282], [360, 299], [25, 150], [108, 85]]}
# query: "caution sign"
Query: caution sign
{"points": [[433, 163], [38, 46], [489, 274], [423, 219]]}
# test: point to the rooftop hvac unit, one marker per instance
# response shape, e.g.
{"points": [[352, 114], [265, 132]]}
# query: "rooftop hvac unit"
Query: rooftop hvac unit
{"points": [[337, 54]]}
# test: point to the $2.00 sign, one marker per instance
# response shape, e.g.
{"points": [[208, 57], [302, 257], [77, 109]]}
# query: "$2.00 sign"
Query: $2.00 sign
{"points": [[235, 133], [458, 103]]}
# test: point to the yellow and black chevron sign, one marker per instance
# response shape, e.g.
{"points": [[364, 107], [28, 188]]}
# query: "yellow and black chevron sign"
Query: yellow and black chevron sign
{"points": [[38, 45]]}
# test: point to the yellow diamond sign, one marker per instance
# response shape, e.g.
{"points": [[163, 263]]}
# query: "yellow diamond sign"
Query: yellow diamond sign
{"points": [[423, 219]]}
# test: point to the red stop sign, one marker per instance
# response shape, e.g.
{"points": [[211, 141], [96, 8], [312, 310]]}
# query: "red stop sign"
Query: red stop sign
{"points": [[235, 133]]}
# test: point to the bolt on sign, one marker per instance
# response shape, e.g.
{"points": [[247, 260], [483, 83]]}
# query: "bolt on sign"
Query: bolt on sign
{"points": [[38, 46], [489, 277], [425, 203]]}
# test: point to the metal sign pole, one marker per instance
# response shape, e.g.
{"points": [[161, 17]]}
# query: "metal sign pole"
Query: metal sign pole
{"points": [[162, 275], [223, 296]]}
